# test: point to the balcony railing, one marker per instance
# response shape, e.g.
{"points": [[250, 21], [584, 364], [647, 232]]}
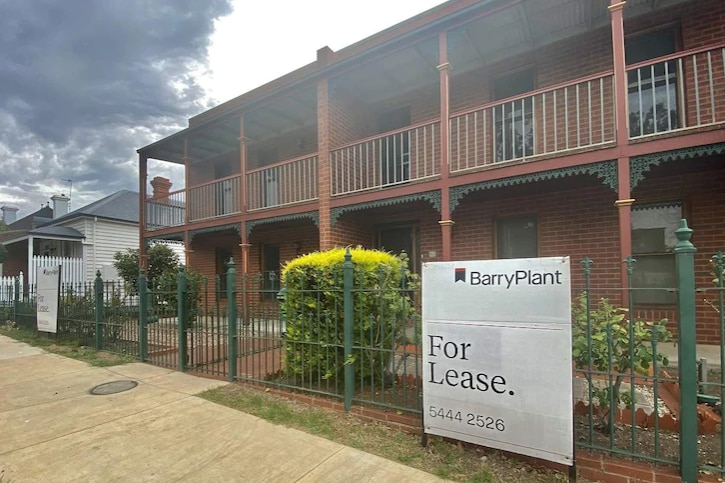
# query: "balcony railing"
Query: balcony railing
{"points": [[554, 120], [281, 184], [681, 91], [217, 198], [166, 211], [392, 158]]}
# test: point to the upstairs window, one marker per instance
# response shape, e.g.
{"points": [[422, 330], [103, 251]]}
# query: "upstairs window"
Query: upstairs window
{"points": [[652, 89], [514, 126]]}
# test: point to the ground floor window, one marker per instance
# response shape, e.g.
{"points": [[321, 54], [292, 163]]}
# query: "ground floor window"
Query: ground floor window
{"points": [[654, 277], [517, 237], [270, 271], [223, 255], [400, 238]]}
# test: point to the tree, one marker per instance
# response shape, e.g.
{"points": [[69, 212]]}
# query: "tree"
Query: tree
{"points": [[161, 259]]}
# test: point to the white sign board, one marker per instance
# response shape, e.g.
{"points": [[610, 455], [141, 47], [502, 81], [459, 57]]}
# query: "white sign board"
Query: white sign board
{"points": [[47, 288], [497, 355]]}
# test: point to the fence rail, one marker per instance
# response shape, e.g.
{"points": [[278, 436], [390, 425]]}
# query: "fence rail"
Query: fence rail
{"points": [[630, 399], [217, 198], [680, 91], [166, 211], [392, 158], [553, 120], [285, 183]]}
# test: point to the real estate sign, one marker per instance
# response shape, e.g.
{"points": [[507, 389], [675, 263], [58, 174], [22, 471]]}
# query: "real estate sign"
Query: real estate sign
{"points": [[497, 355], [47, 288]]}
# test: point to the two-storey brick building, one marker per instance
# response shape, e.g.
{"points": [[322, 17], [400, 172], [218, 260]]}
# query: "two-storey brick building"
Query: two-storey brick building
{"points": [[476, 130]]}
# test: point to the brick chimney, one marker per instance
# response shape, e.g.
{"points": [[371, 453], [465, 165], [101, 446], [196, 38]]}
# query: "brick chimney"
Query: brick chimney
{"points": [[9, 214], [162, 187], [60, 205]]}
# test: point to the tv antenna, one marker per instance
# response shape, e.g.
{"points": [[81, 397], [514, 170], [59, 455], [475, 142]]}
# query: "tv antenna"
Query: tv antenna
{"points": [[70, 192]]}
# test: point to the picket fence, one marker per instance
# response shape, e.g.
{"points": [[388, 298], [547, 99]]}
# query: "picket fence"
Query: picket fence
{"points": [[72, 272]]}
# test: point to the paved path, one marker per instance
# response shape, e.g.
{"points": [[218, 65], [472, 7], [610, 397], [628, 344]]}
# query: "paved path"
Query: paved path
{"points": [[53, 430]]}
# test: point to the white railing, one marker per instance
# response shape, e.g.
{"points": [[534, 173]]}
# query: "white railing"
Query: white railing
{"points": [[680, 91], [389, 159], [220, 197], [166, 211], [280, 184], [7, 290], [72, 271], [558, 119]]}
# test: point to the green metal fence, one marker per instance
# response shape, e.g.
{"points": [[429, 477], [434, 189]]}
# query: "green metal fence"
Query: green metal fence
{"points": [[631, 398]]}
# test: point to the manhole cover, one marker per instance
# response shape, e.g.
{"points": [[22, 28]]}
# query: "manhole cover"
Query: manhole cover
{"points": [[113, 387]]}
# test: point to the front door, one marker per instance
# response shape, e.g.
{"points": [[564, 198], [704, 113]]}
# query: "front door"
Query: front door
{"points": [[398, 238]]}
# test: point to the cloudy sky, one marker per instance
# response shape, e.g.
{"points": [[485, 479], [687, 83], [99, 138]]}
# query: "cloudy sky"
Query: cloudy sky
{"points": [[84, 83]]}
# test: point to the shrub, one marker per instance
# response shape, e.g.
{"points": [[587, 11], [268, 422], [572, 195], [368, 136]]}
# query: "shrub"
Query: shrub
{"points": [[313, 308], [168, 295], [161, 259], [610, 340]]}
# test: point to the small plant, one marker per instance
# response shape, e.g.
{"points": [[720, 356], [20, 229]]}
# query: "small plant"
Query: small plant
{"points": [[604, 340]]}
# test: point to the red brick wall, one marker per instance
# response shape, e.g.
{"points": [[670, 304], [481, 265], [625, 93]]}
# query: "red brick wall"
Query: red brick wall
{"points": [[583, 222], [288, 146], [203, 171], [288, 236]]}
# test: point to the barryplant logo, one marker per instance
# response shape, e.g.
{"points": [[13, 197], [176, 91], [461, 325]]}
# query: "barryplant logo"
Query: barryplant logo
{"points": [[460, 275]]}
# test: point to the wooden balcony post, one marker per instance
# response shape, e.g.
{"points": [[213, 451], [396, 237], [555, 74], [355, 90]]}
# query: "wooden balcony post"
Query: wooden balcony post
{"points": [[187, 161], [142, 179], [445, 223], [625, 200]]}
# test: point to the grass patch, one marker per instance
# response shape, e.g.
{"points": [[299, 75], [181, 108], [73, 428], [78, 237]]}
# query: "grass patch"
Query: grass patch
{"points": [[65, 347], [446, 460]]}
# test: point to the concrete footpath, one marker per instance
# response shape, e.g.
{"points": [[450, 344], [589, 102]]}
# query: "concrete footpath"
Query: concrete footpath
{"points": [[53, 430]]}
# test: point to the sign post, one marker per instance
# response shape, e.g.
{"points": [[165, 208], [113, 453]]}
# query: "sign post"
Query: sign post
{"points": [[497, 362], [47, 288]]}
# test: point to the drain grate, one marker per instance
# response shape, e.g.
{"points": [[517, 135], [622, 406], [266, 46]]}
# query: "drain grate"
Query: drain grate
{"points": [[113, 387]]}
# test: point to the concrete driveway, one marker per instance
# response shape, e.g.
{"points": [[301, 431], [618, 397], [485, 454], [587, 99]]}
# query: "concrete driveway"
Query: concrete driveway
{"points": [[53, 430]]}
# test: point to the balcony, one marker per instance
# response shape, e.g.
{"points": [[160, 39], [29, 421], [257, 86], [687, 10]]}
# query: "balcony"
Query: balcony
{"points": [[282, 184], [166, 211], [217, 198], [389, 159], [678, 92], [573, 116]]}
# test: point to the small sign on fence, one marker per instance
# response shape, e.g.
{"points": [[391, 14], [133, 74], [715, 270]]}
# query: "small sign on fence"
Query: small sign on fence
{"points": [[497, 355], [47, 291]]}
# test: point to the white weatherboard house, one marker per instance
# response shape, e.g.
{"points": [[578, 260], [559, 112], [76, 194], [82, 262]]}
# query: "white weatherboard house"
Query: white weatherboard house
{"points": [[82, 241]]}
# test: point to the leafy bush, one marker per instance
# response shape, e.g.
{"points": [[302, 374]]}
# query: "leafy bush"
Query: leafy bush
{"points": [[610, 340], [161, 259], [313, 308], [168, 295]]}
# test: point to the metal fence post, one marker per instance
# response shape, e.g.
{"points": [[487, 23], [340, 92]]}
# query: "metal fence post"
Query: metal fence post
{"points": [[16, 300], [348, 308], [687, 352], [98, 292], [232, 312], [181, 316], [143, 313]]}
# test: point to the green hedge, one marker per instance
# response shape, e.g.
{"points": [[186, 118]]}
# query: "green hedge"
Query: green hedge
{"points": [[313, 310]]}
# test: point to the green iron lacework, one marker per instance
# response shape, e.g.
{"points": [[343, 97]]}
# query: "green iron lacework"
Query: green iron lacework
{"points": [[213, 229], [606, 171], [312, 215], [433, 197], [640, 165]]}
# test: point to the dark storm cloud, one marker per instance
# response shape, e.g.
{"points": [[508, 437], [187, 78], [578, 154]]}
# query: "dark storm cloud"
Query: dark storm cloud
{"points": [[83, 83]]}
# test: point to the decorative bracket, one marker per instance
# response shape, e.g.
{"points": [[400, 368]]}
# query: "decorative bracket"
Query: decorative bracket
{"points": [[639, 165], [432, 197], [606, 171], [311, 215]]}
